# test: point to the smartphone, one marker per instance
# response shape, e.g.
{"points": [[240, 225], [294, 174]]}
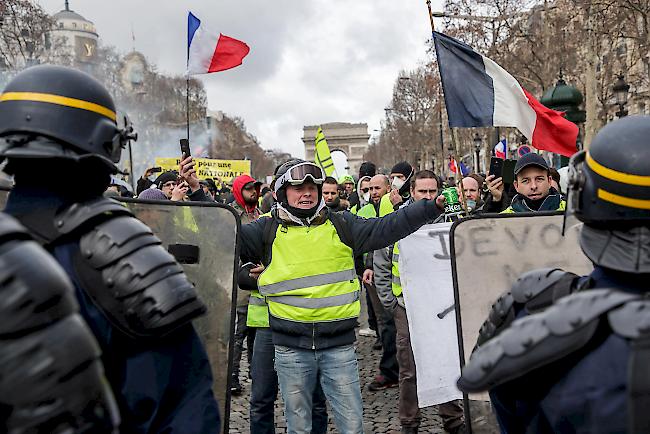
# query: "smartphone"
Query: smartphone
{"points": [[155, 169], [496, 167], [185, 148], [508, 172]]}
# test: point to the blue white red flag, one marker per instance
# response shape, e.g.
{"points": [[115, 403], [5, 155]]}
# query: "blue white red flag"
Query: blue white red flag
{"points": [[500, 149], [207, 52], [480, 93], [453, 167]]}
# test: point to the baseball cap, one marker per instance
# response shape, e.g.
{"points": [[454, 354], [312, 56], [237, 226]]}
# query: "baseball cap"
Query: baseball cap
{"points": [[530, 159]]}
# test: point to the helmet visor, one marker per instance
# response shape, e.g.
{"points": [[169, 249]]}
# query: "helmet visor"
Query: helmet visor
{"points": [[299, 173], [575, 184]]}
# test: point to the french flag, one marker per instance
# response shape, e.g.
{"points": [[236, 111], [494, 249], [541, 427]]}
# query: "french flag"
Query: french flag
{"points": [[500, 149], [480, 93], [207, 52]]}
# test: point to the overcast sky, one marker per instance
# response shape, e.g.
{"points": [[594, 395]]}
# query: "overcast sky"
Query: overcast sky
{"points": [[311, 61]]}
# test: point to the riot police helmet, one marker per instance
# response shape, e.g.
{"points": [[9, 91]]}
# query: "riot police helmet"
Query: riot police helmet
{"points": [[609, 185], [609, 191], [55, 111]]}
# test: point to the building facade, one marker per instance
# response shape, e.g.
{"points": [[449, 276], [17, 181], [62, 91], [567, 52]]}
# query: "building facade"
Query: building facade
{"points": [[352, 139]]}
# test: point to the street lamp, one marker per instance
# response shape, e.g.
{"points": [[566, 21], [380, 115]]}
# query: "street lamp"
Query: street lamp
{"points": [[477, 150], [621, 89]]}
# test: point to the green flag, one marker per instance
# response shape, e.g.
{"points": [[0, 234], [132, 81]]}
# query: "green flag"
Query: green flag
{"points": [[322, 155]]}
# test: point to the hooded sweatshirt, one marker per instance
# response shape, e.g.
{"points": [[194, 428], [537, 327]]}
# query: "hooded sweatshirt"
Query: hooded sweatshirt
{"points": [[237, 187]]}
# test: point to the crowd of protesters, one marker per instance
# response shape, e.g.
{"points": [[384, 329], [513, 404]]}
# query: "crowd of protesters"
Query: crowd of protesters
{"points": [[369, 195]]}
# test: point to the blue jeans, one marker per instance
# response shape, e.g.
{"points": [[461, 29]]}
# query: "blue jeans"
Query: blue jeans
{"points": [[335, 369], [264, 389]]}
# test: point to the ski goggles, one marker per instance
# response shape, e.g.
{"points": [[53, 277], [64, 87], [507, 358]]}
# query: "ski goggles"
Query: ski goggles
{"points": [[299, 173]]}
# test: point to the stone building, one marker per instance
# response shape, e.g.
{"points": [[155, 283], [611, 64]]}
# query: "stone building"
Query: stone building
{"points": [[352, 139], [74, 36]]}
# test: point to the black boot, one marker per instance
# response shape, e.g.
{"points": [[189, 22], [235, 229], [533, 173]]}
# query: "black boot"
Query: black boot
{"points": [[409, 430]]}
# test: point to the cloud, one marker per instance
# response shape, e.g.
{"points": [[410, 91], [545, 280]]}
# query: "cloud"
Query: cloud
{"points": [[311, 61]]}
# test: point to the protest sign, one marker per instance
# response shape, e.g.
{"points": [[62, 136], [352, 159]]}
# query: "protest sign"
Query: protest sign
{"points": [[226, 170], [425, 275]]}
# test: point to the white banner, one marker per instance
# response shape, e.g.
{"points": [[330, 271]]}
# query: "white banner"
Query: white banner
{"points": [[425, 275]]}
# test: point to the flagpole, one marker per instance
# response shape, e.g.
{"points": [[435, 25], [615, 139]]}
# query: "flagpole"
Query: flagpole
{"points": [[187, 107], [459, 170]]}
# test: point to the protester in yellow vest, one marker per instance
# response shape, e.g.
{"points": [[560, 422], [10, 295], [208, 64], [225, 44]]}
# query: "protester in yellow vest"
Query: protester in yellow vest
{"points": [[310, 284], [425, 186], [533, 185]]}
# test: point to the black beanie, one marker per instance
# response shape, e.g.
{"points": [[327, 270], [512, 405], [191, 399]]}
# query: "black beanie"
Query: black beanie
{"points": [[367, 168], [404, 168], [165, 177]]}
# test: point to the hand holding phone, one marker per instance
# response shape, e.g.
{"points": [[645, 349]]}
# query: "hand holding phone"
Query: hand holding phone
{"points": [[496, 167]]}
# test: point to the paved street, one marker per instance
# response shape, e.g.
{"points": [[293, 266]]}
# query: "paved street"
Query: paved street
{"points": [[380, 408]]}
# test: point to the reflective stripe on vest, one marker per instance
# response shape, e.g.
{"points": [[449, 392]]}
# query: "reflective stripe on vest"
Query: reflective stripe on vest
{"points": [[396, 284], [311, 277], [254, 301], [303, 282], [258, 311]]}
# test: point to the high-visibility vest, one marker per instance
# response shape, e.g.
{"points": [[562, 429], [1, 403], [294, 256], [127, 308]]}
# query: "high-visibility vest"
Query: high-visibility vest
{"points": [[367, 211], [258, 311], [385, 205], [510, 210], [311, 277], [396, 284]]}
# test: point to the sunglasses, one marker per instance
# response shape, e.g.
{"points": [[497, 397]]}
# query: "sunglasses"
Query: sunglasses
{"points": [[365, 190]]}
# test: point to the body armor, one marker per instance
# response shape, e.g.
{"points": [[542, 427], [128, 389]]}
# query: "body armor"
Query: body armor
{"points": [[51, 377]]}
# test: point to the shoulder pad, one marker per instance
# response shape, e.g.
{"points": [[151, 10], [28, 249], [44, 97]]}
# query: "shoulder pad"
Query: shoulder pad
{"points": [[537, 340], [76, 215], [502, 313], [134, 280], [632, 320], [34, 289], [538, 289], [52, 379]]}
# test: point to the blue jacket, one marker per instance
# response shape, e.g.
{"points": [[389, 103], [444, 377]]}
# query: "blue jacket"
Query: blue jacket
{"points": [[585, 392], [162, 385]]}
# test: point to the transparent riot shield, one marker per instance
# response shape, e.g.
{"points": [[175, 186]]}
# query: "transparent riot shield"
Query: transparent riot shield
{"points": [[488, 254], [203, 238]]}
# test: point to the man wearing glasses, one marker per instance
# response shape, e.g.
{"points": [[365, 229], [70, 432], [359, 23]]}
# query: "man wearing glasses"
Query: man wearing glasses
{"points": [[306, 273]]}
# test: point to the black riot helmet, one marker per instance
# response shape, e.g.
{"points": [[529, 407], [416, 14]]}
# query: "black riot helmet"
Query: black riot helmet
{"points": [[609, 190], [609, 185], [54, 111]]}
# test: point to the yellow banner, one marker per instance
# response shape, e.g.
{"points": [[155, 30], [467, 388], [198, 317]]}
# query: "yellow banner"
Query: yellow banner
{"points": [[322, 154], [225, 170]]}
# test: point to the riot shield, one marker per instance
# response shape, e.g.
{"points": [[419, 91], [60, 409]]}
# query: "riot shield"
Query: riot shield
{"points": [[488, 254], [203, 238]]}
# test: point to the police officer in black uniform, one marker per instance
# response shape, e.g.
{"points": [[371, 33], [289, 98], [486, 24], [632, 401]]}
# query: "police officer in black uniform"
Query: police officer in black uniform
{"points": [[60, 137], [51, 378], [581, 363]]}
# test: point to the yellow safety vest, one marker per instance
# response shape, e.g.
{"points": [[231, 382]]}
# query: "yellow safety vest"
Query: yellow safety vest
{"points": [[258, 311], [311, 277], [509, 210], [396, 284]]}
